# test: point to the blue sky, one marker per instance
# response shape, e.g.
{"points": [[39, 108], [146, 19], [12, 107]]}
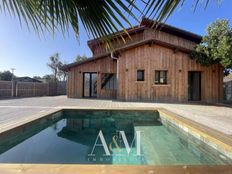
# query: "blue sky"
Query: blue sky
{"points": [[28, 53]]}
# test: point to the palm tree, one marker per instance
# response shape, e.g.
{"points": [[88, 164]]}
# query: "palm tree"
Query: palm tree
{"points": [[99, 17]]}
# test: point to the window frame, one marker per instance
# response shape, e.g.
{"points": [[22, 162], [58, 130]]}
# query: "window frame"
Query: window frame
{"points": [[143, 75], [158, 82]]}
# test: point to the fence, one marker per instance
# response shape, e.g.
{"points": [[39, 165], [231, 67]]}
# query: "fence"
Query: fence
{"points": [[25, 89], [5, 88], [228, 91], [61, 88], [31, 89]]}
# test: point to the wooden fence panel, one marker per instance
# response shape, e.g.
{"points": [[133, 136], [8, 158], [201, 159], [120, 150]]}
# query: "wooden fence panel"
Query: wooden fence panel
{"points": [[32, 89], [5, 88], [24, 89], [41, 89], [52, 88], [61, 88]]}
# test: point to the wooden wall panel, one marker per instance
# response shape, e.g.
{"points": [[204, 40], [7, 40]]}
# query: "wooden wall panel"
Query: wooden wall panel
{"points": [[75, 77], [146, 34], [151, 58], [118, 42], [168, 38]]}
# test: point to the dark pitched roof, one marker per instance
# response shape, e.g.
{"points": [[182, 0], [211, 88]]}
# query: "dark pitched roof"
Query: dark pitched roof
{"points": [[27, 79]]}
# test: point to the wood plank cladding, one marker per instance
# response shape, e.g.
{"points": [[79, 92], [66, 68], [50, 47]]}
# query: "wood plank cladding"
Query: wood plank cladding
{"points": [[168, 38], [143, 35], [75, 77], [149, 58], [154, 57], [117, 43]]}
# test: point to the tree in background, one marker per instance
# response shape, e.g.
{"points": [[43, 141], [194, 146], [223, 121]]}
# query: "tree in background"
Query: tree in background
{"points": [[6, 76], [62, 75], [49, 77], [216, 46], [80, 58], [37, 77], [56, 66]]}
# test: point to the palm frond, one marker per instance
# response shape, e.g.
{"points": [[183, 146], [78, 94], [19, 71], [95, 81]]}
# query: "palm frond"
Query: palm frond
{"points": [[99, 17]]}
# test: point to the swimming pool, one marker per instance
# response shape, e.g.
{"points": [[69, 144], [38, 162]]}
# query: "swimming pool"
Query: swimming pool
{"points": [[105, 137]]}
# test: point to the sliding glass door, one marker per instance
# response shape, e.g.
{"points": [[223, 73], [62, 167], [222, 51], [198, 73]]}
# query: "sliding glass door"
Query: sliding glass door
{"points": [[90, 84]]}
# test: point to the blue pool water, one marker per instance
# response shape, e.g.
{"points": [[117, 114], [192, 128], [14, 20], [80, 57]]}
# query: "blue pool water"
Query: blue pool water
{"points": [[79, 137]]}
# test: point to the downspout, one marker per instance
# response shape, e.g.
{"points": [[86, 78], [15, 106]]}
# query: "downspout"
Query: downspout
{"points": [[117, 72]]}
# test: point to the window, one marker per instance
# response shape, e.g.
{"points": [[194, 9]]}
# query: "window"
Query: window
{"points": [[161, 77], [140, 75], [109, 81]]}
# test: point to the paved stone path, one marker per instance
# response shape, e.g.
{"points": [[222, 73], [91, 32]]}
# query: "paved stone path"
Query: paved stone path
{"points": [[14, 110]]}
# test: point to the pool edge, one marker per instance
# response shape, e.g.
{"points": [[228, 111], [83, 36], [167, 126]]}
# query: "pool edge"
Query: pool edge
{"points": [[217, 140], [112, 169], [115, 169], [34, 117]]}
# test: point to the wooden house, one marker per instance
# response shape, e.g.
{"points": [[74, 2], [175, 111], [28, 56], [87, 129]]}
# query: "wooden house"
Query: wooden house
{"points": [[153, 65]]}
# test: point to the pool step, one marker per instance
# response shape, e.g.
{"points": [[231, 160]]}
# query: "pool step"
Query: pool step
{"points": [[156, 143], [148, 151]]}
